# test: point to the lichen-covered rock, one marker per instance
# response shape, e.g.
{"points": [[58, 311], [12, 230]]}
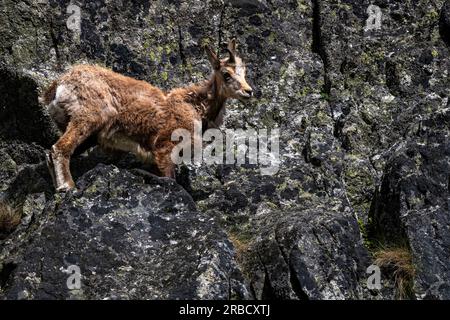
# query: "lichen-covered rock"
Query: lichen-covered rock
{"points": [[347, 98], [413, 205], [22, 117], [130, 240], [312, 254], [22, 171]]}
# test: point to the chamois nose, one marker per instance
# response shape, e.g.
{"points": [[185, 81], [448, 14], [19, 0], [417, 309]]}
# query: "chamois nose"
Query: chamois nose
{"points": [[249, 91]]}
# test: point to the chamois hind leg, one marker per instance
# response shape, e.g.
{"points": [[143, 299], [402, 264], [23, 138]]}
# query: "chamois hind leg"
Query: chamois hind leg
{"points": [[164, 162], [58, 159]]}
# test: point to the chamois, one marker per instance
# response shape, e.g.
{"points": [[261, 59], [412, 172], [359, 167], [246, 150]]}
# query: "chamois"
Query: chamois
{"points": [[129, 115]]}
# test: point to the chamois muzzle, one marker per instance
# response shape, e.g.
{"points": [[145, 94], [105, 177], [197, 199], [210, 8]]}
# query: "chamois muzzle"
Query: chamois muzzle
{"points": [[246, 94]]}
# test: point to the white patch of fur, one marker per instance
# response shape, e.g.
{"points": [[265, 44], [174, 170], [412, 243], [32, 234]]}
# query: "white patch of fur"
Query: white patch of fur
{"points": [[240, 69], [60, 92], [64, 103], [114, 140], [66, 95]]}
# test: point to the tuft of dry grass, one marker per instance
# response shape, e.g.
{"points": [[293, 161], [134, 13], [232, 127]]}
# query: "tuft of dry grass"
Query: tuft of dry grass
{"points": [[10, 217], [240, 246], [398, 261]]}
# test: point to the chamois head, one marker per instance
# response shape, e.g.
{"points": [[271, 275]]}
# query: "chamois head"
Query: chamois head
{"points": [[229, 74]]}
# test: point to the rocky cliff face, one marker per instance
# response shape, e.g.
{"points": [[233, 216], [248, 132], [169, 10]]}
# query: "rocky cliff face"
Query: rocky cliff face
{"points": [[364, 154]]}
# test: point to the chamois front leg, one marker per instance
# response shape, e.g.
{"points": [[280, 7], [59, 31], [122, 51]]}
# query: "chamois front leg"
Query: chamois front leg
{"points": [[164, 162], [58, 159]]}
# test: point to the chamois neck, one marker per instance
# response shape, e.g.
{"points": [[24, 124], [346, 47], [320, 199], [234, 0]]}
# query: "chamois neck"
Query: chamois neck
{"points": [[207, 100]]}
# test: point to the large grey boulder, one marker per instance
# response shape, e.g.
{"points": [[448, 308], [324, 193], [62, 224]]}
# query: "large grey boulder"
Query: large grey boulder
{"points": [[413, 205], [130, 240], [311, 254]]}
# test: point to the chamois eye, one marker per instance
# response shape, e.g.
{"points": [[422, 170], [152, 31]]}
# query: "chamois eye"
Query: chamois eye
{"points": [[226, 76]]}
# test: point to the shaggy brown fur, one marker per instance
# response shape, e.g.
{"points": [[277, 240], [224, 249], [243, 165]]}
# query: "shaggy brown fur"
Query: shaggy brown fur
{"points": [[130, 115]]}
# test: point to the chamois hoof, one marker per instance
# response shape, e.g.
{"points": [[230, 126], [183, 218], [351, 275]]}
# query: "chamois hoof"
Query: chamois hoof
{"points": [[65, 187]]}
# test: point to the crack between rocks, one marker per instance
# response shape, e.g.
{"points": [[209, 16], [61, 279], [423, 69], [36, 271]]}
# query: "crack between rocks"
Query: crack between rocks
{"points": [[350, 205], [181, 50], [229, 286], [332, 234], [318, 45], [294, 281], [220, 32], [6, 273], [199, 260], [55, 44], [266, 278]]}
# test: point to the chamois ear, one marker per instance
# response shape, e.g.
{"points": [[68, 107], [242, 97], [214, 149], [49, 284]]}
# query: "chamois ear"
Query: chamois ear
{"points": [[231, 48], [213, 59]]}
